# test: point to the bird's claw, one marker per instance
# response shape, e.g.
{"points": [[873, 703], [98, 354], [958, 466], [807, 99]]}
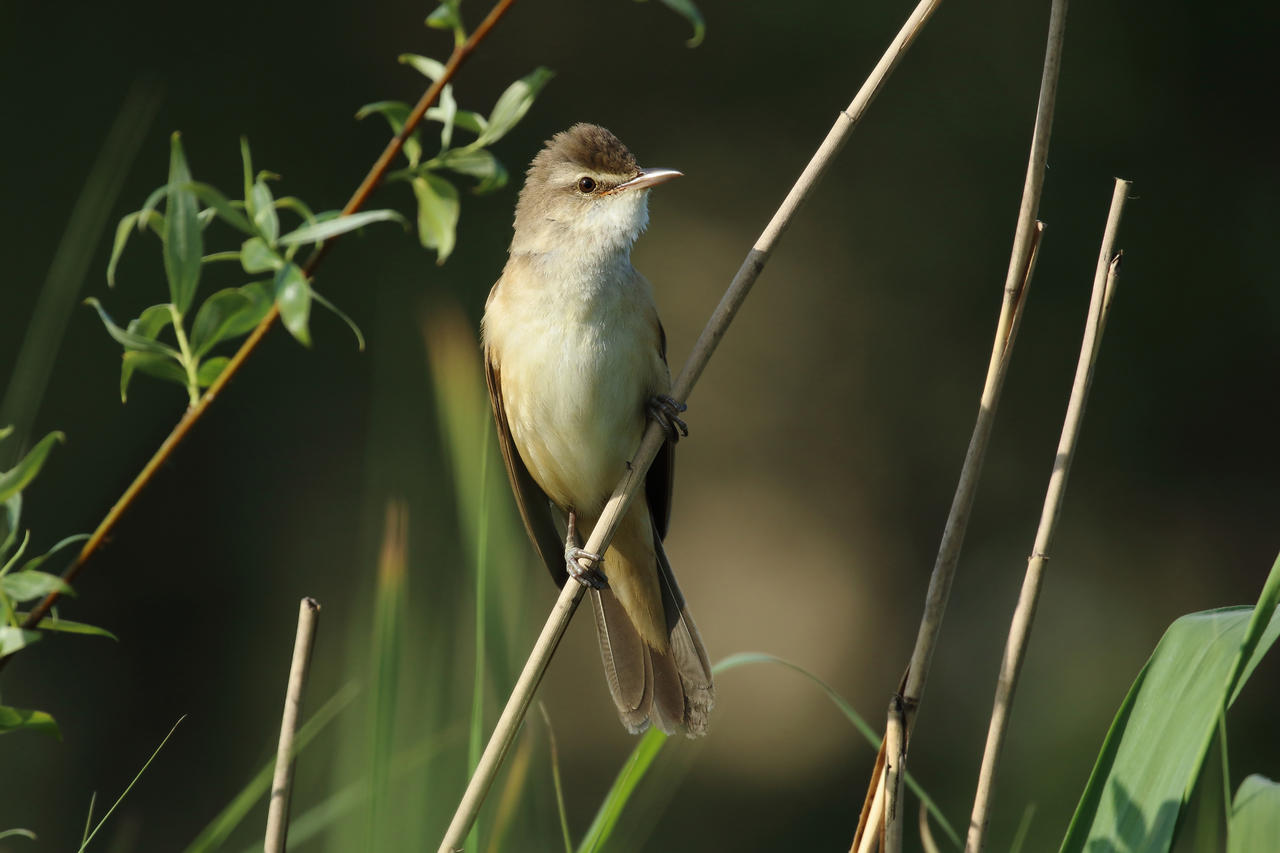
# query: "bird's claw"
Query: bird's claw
{"points": [[666, 411], [591, 577]]}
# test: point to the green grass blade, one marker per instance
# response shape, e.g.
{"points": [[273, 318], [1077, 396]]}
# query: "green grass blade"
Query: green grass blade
{"points": [[220, 828], [624, 785], [126, 791], [1255, 817], [1155, 750], [388, 638], [555, 779]]}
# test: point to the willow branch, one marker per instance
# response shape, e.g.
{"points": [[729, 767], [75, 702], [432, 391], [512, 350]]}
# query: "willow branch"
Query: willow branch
{"points": [[522, 694], [282, 781], [1104, 279], [193, 414]]}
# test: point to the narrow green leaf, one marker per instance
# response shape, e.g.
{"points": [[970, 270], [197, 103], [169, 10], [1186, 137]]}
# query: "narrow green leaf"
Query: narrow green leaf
{"points": [[465, 119], [221, 205], [28, 585], [342, 315], [16, 478], [265, 220], [12, 639], [246, 162], [156, 364], [210, 370], [323, 230], [689, 11], [624, 785], [424, 65], [257, 257], [129, 340], [297, 205], [123, 231], [476, 163], [22, 548], [12, 516], [1255, 817], [395, 112], [513, 104], [214, 317], [17, 833], [66, 626], [120, 799], [183, 242], [448, 107], [293, 297], [37, 562], [18, 719], [438, 210], [151, 322]]}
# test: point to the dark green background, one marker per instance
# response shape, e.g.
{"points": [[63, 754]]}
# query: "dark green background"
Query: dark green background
{"points": [[827, 433]]}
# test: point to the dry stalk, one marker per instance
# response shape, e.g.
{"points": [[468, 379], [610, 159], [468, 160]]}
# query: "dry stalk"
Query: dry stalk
{"points": [[1017, 279], [282, 781], [522, 694], [1020, 630]]}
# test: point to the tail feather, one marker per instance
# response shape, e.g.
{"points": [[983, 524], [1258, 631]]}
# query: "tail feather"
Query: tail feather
{"points": [[627, 666]]}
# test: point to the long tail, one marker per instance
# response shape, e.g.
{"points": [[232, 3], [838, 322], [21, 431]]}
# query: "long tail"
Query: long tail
{"points": [[672, 690]]}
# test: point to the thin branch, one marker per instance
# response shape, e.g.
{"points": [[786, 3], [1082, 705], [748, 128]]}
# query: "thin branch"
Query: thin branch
{"points": [[282, 782], [895, 748], [1020, 629], [1017, 281], [371, 181], [616, 507]]}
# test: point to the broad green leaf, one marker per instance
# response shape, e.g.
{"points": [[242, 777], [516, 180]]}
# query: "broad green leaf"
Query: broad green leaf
{"points": [[293, 297], [128, 339], [221, 205], [690, 12], [183, 242], [37, 562], [157, 364], [512, 105], [1154, 751], [342, 315], [18, 719], [1255, 817], [323, 230], [152, 321], [437, 214], [265, 219], [477, 163], [66, 626], [424, 65], [27, 585], [210, 370], [12, 639], [214, 318], [16, 478], [257, 257]]}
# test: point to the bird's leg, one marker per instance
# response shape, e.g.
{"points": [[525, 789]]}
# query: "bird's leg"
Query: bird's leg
{"points": [[592, 577], [666, 411]]}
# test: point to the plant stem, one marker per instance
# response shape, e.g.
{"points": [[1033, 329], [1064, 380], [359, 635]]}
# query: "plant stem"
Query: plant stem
{"points": [[1020, 630], [282, 782], [189, 362], [193, 414], [522, 694], [1017, 279]]}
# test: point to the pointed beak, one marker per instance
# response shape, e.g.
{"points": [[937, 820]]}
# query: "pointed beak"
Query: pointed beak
{"points": [[648, 178]]}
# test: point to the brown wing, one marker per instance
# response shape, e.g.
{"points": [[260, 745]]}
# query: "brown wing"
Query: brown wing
{"points": [[660, 480], [535, 507]]}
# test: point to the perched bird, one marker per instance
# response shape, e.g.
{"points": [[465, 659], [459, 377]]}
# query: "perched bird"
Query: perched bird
{"points": [[575, 358]]}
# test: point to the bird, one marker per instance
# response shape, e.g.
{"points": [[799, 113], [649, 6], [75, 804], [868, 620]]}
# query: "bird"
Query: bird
{"points": [[575, 362]]}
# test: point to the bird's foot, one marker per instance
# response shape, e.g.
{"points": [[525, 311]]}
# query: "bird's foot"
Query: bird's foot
{"points": [[666, 411], [591, 577]]}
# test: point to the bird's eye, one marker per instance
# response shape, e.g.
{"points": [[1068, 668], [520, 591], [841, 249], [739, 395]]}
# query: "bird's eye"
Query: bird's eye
{"points": [[586, 185]]}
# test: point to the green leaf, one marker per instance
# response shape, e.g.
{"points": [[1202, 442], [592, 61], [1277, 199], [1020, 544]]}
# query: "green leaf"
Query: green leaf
{"points": [[396, 113], [183, 242], [512, 105], [1154, 751], [28, 585], [36, 562], [246, 161], [342, 315], [321, 231], [157, 364], [265, 220], [16, 478], [123, 232], [476, 163], [210, 370], [151, 322], [424, 65], [12, 639], [297, 205], [12, 515], [293, 297], [18, 719], [215, 317], [257, 257], [66, 626], [130, 340], [448, 110], [444, 17], [89, 835], [624, 785], [221, 205], [17, 833], [690, 12], [437, 214], [1255, 817]]}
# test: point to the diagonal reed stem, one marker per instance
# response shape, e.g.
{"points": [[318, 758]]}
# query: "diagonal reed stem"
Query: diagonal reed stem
{"points": [[1020, 630], [282, 781], [193, 414], [540, 657]]}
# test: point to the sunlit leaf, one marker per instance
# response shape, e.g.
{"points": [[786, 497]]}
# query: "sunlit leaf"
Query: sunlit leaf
{"points": [[210, 370], [265, 218], [16, 478], [448, 110], [444, 17], [21, 719], [513, 104], [477, 163], [293, 297], [323, 230], [424, 65], [183, 242], [66, 626], [128, 339], [1255, 817], [257, 257], [12, 639], [27, 585], [156, 364], [437, 214], [221, 205]]}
